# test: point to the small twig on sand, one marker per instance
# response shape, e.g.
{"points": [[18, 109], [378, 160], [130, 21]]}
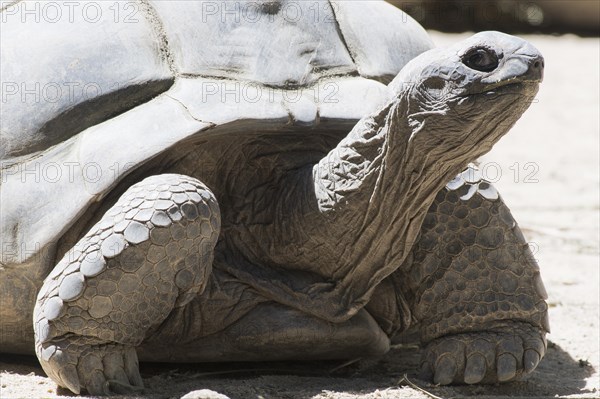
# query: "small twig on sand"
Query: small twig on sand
{"points": [[405, 346], [415, 386], [341, 366], [226, 372]]}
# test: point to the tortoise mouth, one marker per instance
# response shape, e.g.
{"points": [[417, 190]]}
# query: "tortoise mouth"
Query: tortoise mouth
{"points": [[514, 86]]}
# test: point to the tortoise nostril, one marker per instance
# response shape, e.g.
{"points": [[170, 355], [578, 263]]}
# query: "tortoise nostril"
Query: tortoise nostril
{"points": [[536, 68]]}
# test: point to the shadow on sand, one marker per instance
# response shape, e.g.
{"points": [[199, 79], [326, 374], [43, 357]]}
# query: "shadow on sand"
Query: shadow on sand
{"points": [[558, 374]]}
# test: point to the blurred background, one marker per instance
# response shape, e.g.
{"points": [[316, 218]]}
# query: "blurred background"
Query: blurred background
{"points": [[581, 17]]}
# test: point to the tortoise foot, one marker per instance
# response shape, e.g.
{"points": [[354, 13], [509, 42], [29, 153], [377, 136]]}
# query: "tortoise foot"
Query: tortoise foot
{"points": [[100, 369], [499, 355], [149, 254]]}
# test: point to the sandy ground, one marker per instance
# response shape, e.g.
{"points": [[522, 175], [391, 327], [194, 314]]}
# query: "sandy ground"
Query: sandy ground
{"points": [[549, 177]]}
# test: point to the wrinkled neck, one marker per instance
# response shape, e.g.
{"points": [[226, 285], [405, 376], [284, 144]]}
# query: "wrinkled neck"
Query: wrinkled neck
{"points": [[351, 173], [375, 188]]}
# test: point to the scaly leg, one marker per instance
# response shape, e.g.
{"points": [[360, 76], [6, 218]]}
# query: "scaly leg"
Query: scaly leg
{"points": [[149, 254], [472, 284]]}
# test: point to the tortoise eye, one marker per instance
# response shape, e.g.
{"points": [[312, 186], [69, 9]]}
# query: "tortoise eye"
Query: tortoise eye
{"points": [[481, 59]]}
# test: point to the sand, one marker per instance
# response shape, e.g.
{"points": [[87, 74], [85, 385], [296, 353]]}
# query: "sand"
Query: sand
{"points": [[554, 196]]}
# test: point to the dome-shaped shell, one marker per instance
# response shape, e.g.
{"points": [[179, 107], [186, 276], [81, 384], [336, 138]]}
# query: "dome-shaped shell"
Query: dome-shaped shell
{"points": [[93, 90]]}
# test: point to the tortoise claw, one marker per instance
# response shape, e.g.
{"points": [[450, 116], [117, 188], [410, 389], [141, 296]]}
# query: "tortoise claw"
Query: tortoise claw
{"points": [[506, 368], [476, 369], [530, 360], [70, 380], [445, 370], [132, 368], [97, 384]]}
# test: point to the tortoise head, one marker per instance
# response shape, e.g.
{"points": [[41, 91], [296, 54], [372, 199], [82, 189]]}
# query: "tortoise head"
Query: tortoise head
{"points": [[461, 100]]}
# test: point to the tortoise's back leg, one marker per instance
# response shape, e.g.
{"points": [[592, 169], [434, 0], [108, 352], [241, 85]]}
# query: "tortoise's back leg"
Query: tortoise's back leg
{"points": [[474, 287], [264, 331], [150, 253]]}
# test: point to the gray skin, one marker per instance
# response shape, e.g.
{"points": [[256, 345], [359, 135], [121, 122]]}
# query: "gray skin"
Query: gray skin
{"points": [[268, 247]]}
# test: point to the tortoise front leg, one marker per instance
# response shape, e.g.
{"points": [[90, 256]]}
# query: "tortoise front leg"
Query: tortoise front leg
{"points": [[150, 253], [472, 284], [477, 289]]}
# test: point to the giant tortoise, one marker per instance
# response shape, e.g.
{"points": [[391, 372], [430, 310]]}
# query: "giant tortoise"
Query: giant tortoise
{"points": [[261, 180]]}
